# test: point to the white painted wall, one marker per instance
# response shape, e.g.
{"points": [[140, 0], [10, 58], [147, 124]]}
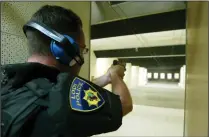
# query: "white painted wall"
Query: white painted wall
{"points": [[127, 77], [134, 76], [142, 76], [182, 76]]}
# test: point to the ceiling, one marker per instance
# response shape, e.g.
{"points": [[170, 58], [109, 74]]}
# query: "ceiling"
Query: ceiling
{"points": [[146, 52], [103, 11], [148, 34], [165, 38], [170, 57], [172, 63]]}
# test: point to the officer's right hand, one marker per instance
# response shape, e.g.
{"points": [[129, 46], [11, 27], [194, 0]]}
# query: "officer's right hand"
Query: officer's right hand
{"points": [[118, 70]]}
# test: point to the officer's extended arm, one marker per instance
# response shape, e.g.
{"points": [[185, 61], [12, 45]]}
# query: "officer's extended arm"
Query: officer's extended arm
{"points": [[105, 79], [114, 76], [120, 88], [102, 81]]}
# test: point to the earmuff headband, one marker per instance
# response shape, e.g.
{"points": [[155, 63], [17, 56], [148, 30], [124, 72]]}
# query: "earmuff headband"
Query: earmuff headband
{"points": [[45, 30]]}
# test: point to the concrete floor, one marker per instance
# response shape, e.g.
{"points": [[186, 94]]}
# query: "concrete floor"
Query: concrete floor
{"points": [[159, 95], [158, 111]]}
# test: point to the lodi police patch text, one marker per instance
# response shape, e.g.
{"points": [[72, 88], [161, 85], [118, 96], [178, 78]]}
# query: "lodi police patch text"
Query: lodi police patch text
{"points": [[83, 97]]}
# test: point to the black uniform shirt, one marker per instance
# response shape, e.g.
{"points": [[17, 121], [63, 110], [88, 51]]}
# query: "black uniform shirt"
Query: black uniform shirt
{"points": [[77, 107]]}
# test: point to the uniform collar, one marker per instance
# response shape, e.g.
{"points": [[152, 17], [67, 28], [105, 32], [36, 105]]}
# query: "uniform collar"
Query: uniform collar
{"points": [[24, 72]]}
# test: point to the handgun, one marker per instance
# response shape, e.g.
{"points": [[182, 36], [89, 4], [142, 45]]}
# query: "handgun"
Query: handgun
{"points": [[116, 62]]}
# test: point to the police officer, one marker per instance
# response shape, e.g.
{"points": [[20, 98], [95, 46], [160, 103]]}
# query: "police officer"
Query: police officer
{"points": [[77, 107]]}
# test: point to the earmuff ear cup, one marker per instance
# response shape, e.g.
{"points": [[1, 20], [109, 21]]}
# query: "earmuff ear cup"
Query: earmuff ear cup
{"points": [[59, 53]]}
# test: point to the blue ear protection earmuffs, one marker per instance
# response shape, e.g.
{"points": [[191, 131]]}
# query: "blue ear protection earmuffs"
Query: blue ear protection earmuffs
{"points": [[63, 47]]}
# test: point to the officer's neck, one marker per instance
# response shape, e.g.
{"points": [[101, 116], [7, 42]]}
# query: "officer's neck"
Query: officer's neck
{"points": [[45, 60]]}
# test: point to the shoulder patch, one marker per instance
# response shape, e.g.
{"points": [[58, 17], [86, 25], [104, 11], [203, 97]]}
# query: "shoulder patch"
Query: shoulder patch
{"points": [[83, 97]]}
